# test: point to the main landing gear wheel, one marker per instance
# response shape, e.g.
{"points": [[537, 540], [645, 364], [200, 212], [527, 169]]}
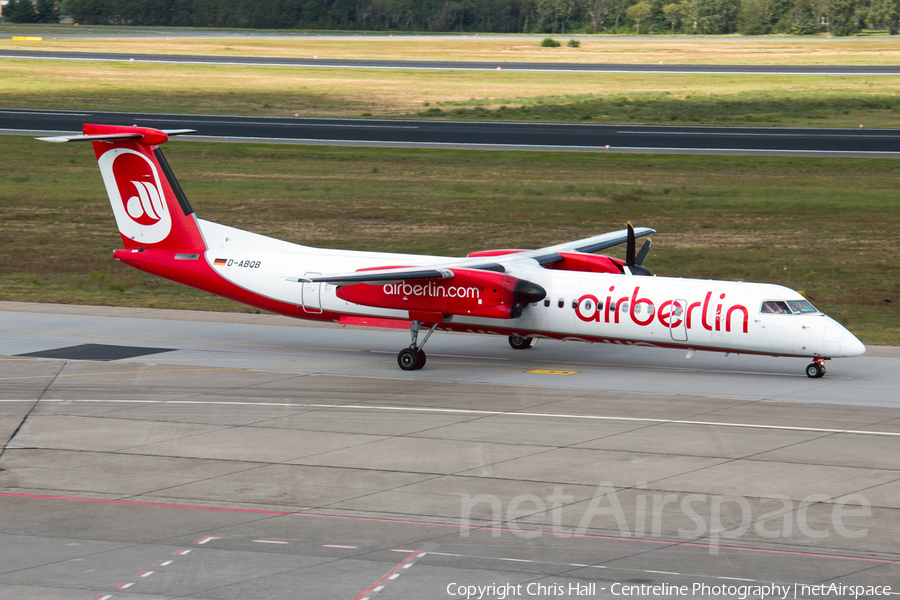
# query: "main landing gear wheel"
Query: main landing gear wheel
{"points": [[413, 358], [521, 343], [815, 370], [410, 360]]}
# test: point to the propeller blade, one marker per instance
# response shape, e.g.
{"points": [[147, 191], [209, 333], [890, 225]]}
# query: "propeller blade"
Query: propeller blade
{"points": [[629, 246], [643, 253]]}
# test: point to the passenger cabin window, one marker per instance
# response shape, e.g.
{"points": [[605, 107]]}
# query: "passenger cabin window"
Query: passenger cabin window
{"points": [[546, 301], [561, 303]]}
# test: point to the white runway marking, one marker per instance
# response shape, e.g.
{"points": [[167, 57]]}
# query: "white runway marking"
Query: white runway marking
{"points": [[493, 412], [270, 542], [338, 546]]}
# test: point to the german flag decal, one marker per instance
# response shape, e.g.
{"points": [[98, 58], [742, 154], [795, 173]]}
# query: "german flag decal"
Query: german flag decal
{"points": [[220, 262]]}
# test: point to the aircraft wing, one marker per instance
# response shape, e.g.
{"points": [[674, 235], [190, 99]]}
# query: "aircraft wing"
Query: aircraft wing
{"points": [[591, 244], [544, 256], [550, 254], [397, 274]]}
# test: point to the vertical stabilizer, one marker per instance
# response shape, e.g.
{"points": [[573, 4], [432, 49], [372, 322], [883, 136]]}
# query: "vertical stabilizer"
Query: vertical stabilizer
{"points": [[150, 207]]}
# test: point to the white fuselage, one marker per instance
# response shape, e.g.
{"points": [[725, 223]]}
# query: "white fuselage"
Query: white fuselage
{"points": [[656, 311]]}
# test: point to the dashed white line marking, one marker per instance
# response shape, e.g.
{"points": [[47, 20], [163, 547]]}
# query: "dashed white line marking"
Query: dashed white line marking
{"points": [[402, 550], [164, 563], [392, 574], [106, 597], [123, 586], [337, 546], [271, 542], [662, 572], [145, 574], [207, 538], [516, 560], [181, 552], [735, 578]]}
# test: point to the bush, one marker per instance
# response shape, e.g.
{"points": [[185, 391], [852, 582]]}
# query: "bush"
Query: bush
{"points": [[550, 43], [573, 43]]}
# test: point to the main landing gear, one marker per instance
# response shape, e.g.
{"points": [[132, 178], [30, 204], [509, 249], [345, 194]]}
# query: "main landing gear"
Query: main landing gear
{"points": [[522, 343], [413, 358], [815, 369]]}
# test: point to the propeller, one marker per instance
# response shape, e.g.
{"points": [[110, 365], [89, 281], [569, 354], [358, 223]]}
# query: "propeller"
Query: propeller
{"points": [[632, 261]]}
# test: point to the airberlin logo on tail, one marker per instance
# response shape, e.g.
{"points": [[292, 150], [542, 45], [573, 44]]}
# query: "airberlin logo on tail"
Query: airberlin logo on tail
{"points": [[136, 194], [146, 207]]}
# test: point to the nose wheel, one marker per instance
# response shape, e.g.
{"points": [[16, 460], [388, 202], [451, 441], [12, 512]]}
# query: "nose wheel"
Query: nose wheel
{"points": [[413, 358], [816, 369]]}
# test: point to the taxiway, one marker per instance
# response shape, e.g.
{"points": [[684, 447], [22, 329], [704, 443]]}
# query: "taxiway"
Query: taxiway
{"points": [[201, 455]]}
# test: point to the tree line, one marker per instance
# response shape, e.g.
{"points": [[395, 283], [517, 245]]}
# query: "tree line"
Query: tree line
{"points": [[749, 17]]}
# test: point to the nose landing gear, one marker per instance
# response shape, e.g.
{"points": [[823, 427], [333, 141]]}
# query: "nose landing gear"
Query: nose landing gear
{"points": [[816, 369], [413, 358]]}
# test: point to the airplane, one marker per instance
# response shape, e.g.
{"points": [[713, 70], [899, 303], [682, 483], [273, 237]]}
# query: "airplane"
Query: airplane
{"points": [[563, 292]]}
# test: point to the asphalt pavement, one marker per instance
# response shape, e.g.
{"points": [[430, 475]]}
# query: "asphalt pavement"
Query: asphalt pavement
{"points": [[477, 135]]}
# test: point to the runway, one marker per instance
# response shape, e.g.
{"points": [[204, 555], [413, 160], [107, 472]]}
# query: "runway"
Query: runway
{"points": [[478, 135], [248, 456], [309, 62]]}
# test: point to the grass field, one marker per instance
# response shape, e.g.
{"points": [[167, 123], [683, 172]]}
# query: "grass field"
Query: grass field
{"points": [[766, 100], [734, 50], [830, 227]]}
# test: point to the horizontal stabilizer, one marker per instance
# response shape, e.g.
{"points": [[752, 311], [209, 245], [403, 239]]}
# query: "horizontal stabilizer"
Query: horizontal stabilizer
{"points": [[145, 134]]}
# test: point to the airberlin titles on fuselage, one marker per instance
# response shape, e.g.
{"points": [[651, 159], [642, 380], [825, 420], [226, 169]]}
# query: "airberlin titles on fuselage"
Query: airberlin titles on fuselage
{"points": [[671, 313], [431, 290]]}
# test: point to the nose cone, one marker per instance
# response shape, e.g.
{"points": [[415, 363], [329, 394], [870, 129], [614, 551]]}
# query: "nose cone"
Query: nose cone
{"points": [[838, 342], [850, 346]]}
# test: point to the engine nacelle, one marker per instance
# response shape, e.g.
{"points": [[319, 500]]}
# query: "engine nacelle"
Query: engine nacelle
{"points": [[587, 263], [469, 292]]}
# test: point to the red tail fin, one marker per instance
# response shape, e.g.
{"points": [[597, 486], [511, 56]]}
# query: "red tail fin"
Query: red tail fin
{"points": [[150, 207]]}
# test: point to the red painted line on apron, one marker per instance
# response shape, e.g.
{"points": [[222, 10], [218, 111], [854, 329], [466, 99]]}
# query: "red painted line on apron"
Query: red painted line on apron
{"points": [[451, 525], [378, 585]]}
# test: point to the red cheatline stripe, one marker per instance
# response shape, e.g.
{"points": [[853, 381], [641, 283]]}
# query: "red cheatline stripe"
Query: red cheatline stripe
{"points": [[387, 575], [430, 524]]}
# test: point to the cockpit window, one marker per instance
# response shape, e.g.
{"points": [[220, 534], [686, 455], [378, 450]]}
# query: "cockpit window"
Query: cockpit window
{"points": [[788, 307], [775, 307], [801, 307]]}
